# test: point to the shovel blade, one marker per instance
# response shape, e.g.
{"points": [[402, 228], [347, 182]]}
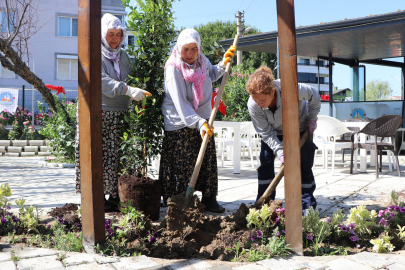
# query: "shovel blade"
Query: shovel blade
{"points": [[189, 195]]}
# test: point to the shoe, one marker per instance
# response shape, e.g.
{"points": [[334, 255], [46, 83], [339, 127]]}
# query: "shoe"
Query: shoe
{"points": [[114, 201], [212, 205], [107, 206]]}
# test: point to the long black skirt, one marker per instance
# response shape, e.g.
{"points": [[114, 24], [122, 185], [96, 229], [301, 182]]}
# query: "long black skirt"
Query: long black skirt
{"points": [[178, 159]]}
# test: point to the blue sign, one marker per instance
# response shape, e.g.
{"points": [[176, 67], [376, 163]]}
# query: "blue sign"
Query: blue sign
{"points": [[358, 113], [7, 99]]}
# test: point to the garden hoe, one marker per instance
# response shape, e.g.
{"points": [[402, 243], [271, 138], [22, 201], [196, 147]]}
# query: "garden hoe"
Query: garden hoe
{"points": [[193, 180], [265, 198]]}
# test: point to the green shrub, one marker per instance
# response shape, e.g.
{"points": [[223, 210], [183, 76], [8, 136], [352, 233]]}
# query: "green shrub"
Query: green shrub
{"points": [[152, 23], [235, 95], [59, 133], [3, 133]]}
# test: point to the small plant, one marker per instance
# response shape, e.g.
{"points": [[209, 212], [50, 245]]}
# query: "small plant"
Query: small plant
{"points": [[362, 219], [27, 215], [238, 250], [314, 228], [131, 220], [382, 244], [260, 218], [15, 258], [5, 191]]}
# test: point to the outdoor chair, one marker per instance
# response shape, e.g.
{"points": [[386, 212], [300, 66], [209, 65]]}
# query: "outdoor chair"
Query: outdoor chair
{"points": [[325, 137], [249, 138], [383, 127], [346, 137]]}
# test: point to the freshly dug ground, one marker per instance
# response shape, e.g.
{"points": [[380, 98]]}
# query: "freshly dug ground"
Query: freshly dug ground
{"points": [[189, 233]]}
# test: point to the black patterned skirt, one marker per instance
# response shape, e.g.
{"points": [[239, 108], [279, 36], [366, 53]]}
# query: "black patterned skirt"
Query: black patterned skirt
{"points": [[111, 133], [179, 155]]}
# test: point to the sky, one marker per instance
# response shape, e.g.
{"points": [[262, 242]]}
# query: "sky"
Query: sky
{"points": [[262, 14]]}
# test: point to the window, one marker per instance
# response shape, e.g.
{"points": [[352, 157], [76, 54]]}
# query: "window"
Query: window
{"points": [[307, 78], [67, 67], [131, 40], [322, 80], [120, 17], [3, 21], [320, 63], [67, 26], [304, 61], [5, 73]]}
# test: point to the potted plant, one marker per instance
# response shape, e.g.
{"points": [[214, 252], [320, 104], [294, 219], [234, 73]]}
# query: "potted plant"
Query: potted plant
{"points": [[151, 21]]}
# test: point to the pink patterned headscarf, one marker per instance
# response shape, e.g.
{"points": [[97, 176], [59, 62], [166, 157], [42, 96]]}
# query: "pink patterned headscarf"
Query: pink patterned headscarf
{"points": [[194, 73]]}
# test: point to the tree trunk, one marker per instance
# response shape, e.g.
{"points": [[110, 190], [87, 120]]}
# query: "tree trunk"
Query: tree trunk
{"points": [[21, 69]]}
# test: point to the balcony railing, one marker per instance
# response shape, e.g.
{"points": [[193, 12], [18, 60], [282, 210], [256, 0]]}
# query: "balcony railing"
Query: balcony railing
{"points": [[301, 64]]}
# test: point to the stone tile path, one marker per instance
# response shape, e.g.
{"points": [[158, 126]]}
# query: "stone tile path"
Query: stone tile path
{"points": [[51, 187]]}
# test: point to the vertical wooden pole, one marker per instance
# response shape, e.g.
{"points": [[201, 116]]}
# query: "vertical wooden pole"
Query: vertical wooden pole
{"points": [[291, 134], [91, 163]]}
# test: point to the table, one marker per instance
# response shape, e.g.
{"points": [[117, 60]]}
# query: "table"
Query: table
{"points": [[236, 144], [363, 152]]}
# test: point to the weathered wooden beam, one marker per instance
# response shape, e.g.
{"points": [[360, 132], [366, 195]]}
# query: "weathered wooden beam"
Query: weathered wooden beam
{"points": [[291, 133], [91, 154]]}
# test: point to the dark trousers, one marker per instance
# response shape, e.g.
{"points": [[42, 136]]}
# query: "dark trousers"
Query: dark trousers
{"points": [[266, 172]]}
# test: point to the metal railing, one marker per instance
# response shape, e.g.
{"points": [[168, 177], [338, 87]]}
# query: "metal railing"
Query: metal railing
{"points": [[28, 97]]}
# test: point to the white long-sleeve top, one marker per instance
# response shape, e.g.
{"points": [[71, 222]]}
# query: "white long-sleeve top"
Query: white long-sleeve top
{"points": [[178, 105], [269, 124]]}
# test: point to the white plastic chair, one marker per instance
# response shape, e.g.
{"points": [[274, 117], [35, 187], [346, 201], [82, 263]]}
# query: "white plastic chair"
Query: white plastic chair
{"points": [[328, 128], [249, 139]]}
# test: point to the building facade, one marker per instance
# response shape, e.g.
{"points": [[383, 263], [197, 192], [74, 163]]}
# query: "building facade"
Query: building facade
{"points": [[307, 69], [53, 49]]}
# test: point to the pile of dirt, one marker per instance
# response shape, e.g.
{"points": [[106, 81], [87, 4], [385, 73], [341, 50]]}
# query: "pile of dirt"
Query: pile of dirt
{"points": [[187, 232]]}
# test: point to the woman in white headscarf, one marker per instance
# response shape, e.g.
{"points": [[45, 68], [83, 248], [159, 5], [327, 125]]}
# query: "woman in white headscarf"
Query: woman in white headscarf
{"points": [[186, 110], [116, 97]]}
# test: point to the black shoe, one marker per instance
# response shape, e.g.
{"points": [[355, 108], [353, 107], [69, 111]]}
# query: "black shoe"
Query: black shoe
{"points": [[212, 205], [107, 206], [114, 201]]}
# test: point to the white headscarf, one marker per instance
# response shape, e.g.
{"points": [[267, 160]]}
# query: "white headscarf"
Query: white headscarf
{"points": [[111, 22], [194, 73]]}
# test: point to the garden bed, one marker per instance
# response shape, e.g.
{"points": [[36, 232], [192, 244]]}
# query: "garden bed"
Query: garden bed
{"points": [[246, 235]]}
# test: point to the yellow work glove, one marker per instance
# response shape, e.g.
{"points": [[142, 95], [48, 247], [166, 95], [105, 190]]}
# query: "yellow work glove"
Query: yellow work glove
{"points": [[205, 129], [229, 54]]}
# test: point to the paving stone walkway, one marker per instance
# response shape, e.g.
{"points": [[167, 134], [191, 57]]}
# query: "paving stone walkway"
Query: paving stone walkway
{"points": [[52, 187]]}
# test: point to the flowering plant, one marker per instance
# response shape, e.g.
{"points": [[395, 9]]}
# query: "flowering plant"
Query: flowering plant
{"points": [[382, 244], [362, 219]]}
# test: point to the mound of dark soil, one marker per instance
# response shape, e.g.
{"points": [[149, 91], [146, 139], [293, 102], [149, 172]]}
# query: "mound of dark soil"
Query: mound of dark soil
{"points": [[69, 208]]}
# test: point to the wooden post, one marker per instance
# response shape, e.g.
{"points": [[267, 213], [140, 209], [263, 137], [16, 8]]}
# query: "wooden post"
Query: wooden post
{"points": [[91, 163], [291, 134]]}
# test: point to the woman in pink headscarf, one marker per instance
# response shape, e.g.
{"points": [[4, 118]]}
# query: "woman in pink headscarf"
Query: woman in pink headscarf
{"points": [[186, 110]]}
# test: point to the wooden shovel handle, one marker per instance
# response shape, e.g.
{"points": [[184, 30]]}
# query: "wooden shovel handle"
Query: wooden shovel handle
{"points": [[211, 121], [272, 187]]}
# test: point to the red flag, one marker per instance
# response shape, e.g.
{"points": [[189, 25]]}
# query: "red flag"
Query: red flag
{"points": [[221, 107], [325, 97], [59, 89]]}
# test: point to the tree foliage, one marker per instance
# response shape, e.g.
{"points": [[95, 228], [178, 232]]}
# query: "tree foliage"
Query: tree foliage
{"points": [[378, 90], [151, 22], [212, 32]]}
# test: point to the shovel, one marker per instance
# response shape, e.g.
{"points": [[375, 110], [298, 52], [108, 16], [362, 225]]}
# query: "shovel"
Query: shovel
{"points": [[265, 198], [193, 180]]}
